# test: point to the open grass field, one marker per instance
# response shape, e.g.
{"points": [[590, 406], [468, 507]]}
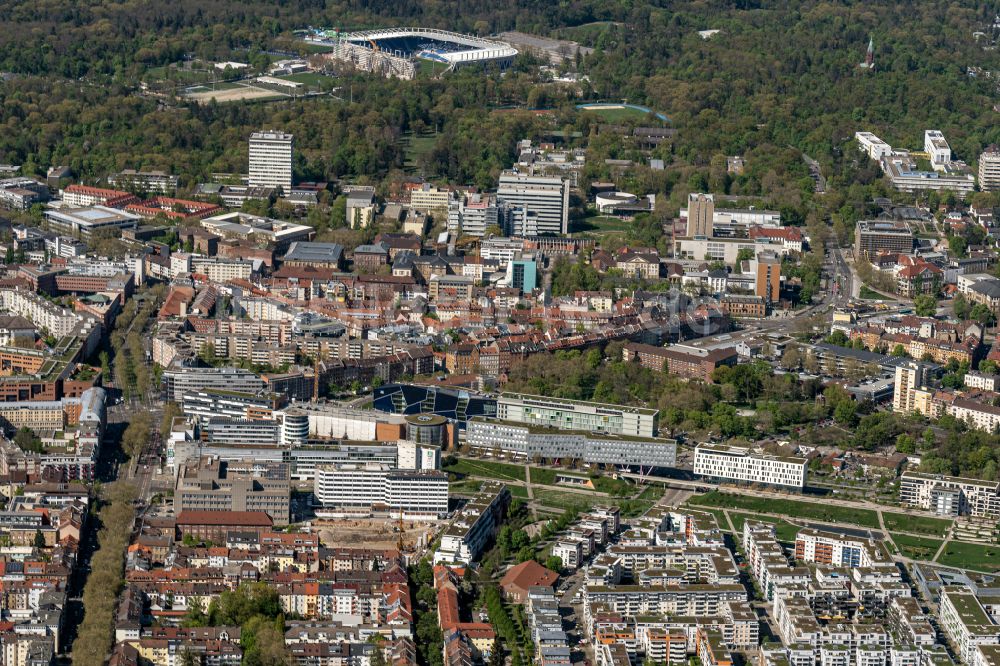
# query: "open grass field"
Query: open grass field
{"points": [[311, 79], [916, 524], [231, 92], [786, 531], [786, 507], [916, 548], [316, 48], [615, 113], [415, 146], [971, 556], [487, 469], [564, 500], [600, 224], [869, 294]]}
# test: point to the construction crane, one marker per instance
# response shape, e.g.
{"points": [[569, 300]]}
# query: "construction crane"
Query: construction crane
{"points": [[400, 544]]}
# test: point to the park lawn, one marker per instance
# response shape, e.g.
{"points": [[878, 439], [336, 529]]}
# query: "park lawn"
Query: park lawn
{"points": [[936, 527], [601, 224], [465, 487], [316, 48], [784, 530], [787, 507], [414, 147], [543, 477], [563, 500], [916, 548], [617, 115], [976, 556], [518, 492], [487, 469], [308, 78], [635, 508], [869, 294], [720, 517], [651, 493]]}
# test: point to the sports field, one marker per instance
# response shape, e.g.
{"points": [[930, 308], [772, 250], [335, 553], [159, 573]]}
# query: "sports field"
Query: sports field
{"points": [[230, 92]]}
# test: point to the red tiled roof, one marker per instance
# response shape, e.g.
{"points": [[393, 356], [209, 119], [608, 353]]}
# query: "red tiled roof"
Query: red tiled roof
{"points": [[528, 574], [224, 518]]}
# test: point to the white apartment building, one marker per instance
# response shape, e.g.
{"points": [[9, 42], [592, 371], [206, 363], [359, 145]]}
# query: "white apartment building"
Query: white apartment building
{"points": [[369, 487], [937, 148], [977, 380], [56, 320], [544, 199], [154, 182], [909, 377], [875, 147], [218, 269], [966, 622], [950, 495], [271, 160], [727, 463], [539, 410], [528, 442], [464, 540], [265, 309], [989, 169], [976, 414], [839, 550]]}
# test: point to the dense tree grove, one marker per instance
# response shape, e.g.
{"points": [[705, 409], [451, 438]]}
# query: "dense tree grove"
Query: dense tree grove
{"points": [[115, 515], [770, 95]]}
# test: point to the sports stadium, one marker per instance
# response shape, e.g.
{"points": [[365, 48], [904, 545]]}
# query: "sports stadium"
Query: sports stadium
{"points": [[400, 52]]}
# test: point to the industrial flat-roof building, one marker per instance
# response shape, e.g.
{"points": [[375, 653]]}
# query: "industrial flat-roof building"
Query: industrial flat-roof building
{"points": [[208, 484], [83, 222], [545, 201], [874, 236], [565, 414], [528, 442]]}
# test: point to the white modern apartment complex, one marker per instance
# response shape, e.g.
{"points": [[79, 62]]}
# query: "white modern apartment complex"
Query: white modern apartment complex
{"points": [[528, 442], [538, 410], [221, 270], [977, 380], [875, 147], [977, 414], [271, 160], [545, 201], [157, 182], [726, 463], [989, 169], [937, 148], [464, 540], [966, 622], [841, 550], [429, 198], [58, 321], [373, 487], [950, 495]]}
